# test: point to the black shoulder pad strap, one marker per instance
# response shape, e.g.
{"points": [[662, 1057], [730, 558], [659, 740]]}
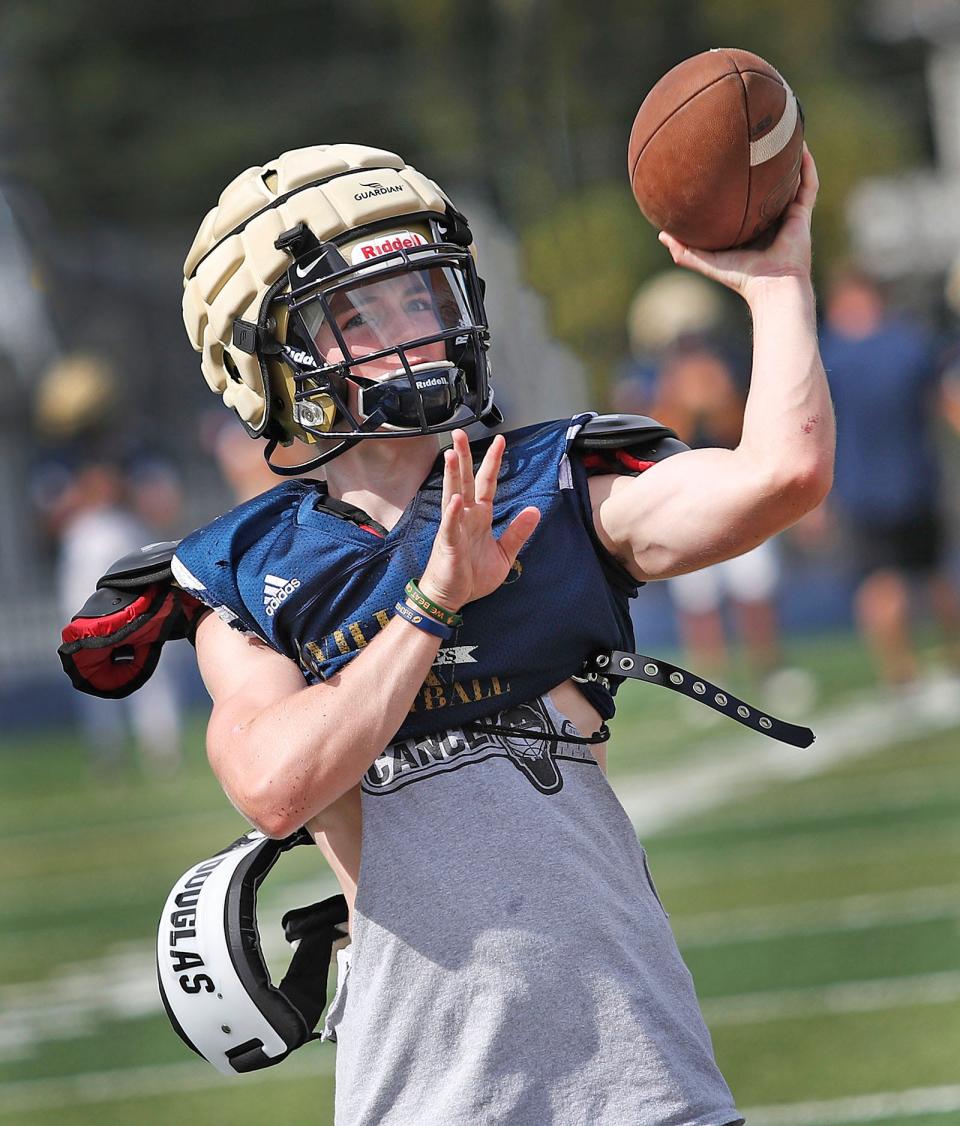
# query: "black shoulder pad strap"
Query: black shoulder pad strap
{"points": [[140, 568], [317, 928]]}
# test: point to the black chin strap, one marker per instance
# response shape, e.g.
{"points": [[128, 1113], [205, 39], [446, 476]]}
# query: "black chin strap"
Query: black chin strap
{"points": [[304, 466], [345, 443], [636, 666]]}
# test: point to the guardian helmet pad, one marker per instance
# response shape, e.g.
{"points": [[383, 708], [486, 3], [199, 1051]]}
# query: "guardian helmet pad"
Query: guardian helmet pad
{"points": [[333, 299]]}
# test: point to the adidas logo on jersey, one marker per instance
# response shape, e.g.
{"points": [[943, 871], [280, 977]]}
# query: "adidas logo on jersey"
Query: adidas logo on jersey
{"points": [[276, 591]]}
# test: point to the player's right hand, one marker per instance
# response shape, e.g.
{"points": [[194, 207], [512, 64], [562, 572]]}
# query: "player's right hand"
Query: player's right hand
{"points": [[782, 252], [467, 561]]}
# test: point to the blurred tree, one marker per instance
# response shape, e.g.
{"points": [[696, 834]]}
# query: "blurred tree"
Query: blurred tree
{"points": [[130, 116]]}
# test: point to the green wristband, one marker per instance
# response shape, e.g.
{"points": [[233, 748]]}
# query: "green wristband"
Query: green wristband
{"points": [[438, 613]]}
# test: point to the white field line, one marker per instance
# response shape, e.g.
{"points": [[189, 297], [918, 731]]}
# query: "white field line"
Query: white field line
{"points": [[127, 826], [26, 1095], [123, 985], [853, 912], [875, 995], [859, 1108], [847, 848]]}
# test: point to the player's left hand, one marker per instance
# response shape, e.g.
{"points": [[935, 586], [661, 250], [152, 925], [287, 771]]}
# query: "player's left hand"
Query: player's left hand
{"points": [[468, 561], [782, 252]]}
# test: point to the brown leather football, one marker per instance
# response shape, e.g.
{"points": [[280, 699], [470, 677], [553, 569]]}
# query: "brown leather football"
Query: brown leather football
{"points": [[715, 149]]}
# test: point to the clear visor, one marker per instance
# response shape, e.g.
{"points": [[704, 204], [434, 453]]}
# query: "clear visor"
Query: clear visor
{"points": [[418, 308]]}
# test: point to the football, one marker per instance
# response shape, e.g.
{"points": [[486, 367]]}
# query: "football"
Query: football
{"points": [[715, 150]]}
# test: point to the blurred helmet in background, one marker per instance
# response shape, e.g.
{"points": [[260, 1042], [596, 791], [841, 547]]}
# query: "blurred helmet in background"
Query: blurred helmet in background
{"points": [[333, 298], [77, 396], [669, 306]]}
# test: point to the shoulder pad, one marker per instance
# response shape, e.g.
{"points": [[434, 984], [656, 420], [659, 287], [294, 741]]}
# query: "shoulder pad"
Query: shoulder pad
{"points": [[111, 646], [140, 568], [617, 431], [625, 443]]}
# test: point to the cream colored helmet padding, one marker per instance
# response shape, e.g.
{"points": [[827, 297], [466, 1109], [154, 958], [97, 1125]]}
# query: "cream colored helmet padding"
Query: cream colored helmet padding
{"points": [[234, 262]]}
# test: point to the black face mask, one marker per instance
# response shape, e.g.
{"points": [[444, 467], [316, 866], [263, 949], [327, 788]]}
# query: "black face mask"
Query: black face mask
{"points": [[412, 395]]}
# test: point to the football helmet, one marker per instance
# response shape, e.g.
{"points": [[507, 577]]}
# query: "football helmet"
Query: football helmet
{"points": [[333, 297], [214, 981]]}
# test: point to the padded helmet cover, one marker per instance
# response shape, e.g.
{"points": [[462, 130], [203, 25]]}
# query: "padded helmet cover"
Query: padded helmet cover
{"points": [[234, 266]]}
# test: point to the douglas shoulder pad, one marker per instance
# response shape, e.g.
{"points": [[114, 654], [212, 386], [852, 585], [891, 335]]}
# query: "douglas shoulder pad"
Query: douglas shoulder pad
{"points": [[111, 646], [213, 978], [625, 443]]}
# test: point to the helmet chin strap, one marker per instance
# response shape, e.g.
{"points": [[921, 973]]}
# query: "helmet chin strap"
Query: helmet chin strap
{"points": [[341, 447]]}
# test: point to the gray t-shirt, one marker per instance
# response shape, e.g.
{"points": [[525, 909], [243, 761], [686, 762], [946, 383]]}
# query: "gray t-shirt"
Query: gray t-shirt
{"points": [[511, 963]]}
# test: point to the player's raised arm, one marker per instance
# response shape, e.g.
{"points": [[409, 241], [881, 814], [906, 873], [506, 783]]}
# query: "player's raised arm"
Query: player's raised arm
{"points": [[704, 506]]}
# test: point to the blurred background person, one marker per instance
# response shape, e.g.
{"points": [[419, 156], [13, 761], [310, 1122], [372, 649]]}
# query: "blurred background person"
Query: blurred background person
{"points": [[99, 501], [888, 389]]}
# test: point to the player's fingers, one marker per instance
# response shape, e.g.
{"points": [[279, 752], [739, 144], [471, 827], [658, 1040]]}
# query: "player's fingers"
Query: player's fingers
{"points": [[451, 522], [809, 181], [462, 447], [519, 531], [452, 482], [700, 261], [451, 478], [486, 484]]}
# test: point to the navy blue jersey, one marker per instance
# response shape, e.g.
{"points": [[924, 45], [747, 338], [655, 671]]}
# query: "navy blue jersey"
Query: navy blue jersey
{"points": [[317, 582]]}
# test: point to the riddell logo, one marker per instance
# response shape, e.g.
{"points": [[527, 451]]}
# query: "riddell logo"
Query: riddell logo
{"points": [[402, 240], [376, 189]]}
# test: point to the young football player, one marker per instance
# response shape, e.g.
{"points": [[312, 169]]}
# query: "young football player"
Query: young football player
{"points": [[396, 654]]}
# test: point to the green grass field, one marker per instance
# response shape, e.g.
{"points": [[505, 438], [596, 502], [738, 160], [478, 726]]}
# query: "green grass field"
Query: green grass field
{"points": [[820, 917]]}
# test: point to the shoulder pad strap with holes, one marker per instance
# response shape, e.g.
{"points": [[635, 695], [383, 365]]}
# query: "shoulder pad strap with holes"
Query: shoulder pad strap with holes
{"points": [[616, 665], [111, 646], [625, 443]]}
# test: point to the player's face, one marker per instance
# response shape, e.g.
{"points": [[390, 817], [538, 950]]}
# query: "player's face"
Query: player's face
{"points": [[381, 314]]}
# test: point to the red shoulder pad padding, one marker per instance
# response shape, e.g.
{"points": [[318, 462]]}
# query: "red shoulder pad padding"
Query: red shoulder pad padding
{"points": [[615, 461], [112, 646]]}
